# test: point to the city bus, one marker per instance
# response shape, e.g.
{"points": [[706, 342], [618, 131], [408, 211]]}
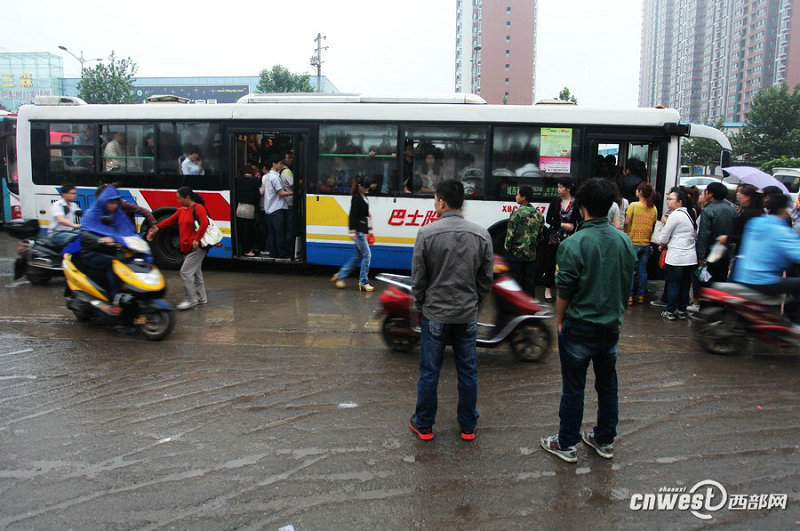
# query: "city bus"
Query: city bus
{"points": [[9, 207], [492, 149]]}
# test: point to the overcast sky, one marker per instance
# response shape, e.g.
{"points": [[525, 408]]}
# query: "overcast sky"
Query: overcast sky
{"points": [[375, 46]]}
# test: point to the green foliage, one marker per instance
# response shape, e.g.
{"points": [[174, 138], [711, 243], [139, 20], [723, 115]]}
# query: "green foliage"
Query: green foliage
{"points": [[279, 79], [773, 126], [108, 83], [782, 162], [702, 151], [564, 95]]}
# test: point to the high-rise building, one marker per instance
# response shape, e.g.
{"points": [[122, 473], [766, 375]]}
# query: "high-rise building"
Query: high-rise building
{"points": [[495, 49], [709, 58]]}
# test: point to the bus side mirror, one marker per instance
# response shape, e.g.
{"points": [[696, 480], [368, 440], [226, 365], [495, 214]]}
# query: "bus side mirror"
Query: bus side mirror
{"points": [[725, 160]]}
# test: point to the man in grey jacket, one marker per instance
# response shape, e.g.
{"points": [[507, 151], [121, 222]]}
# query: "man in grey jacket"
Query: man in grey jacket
{"points": [[451, 273]]}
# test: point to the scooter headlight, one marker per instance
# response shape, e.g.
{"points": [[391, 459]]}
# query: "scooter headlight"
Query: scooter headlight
{"points": [[151, 277]]}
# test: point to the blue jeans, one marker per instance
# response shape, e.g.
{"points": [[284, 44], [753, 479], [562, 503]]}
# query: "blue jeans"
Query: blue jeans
{"points": [[435, 337], [642, 254], [61, 237], [678, 285], [363, 256], [579, 343]]}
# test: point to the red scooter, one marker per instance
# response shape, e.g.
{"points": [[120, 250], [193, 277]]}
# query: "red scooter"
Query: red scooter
{"points": [[732, 314], [520, 319]]}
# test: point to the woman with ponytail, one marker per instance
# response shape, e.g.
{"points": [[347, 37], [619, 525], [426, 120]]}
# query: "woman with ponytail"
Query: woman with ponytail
{"points": [[640, 218], [192, 209]]}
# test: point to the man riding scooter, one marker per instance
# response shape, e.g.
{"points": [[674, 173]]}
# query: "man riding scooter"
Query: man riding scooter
{"points": [[103, 222]]}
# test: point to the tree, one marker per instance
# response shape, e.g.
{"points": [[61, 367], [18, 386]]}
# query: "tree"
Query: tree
{"points": [[108, 83], [773, 126], [564, 95], [279, 79], [702, 151], [783, 162]]}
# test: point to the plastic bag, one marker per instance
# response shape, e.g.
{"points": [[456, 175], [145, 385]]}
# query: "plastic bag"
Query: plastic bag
{"points": [[702, 274]]}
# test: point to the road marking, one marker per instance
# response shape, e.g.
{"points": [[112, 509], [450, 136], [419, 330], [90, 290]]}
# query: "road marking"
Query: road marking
{"points": [[17, 352]]}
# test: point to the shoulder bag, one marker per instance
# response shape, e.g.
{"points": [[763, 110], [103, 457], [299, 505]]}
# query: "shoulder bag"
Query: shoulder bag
{"points": [[212, 236]]}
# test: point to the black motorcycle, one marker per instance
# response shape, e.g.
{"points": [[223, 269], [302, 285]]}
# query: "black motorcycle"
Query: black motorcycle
{"points": [[38, 257]]}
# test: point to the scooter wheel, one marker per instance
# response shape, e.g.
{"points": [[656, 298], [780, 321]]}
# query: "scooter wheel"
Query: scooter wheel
{"points": [[397, 334], [717, 331], [158, 325], [530, 342], [81, 316], [38, 276]]}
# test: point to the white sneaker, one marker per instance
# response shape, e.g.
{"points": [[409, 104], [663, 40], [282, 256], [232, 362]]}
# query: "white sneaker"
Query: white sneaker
{"points": [[185, 305], [694, 308]]}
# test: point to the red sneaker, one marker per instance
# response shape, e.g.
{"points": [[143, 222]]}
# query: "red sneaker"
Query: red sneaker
{"points": [[468, 435], [426, 433]]}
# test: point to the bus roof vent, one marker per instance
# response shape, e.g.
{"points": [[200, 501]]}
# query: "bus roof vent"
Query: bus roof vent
{"points": [[300, 97], [458, 97], [316, 97], [554, 101], [165, 98], [58, 100]]}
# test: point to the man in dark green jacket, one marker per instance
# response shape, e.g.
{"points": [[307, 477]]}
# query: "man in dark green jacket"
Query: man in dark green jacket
{"points": [[594, 275]]}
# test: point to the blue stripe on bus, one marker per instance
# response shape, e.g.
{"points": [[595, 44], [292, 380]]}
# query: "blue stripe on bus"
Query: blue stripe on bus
{"points": [[383, 257]]}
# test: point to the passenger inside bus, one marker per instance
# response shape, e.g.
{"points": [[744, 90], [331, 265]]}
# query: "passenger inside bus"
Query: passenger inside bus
{"points": [[409, 185], [338, 179], [193, 163], [429, 173], [85, 153], [114, 153]]}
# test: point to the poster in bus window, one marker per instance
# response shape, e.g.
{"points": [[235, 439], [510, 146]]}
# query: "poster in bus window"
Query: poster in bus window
{"points": [[556, 150]]}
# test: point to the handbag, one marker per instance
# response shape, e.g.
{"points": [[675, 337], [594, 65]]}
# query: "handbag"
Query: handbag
{"points": [[212, 236], [370, 238], [662, 260], [556, 237], [659, 226], [245, 211]]}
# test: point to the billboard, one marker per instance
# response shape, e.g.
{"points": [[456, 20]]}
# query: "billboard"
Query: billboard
{"points": [[23, 76], [195, 93]]}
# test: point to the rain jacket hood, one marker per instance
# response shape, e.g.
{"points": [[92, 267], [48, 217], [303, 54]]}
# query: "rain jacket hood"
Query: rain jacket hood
{"points": [[92, 219]]}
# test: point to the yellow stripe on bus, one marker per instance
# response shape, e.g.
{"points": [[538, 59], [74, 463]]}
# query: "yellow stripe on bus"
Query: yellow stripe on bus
{"points": [[378, 239], [325, 211]]}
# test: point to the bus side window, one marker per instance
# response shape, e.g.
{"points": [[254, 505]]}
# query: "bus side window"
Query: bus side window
{"points": [[350, 151], [443, 153]]}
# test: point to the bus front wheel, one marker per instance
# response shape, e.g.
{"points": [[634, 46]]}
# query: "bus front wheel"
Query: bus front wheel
{"points": [[166, 247]]}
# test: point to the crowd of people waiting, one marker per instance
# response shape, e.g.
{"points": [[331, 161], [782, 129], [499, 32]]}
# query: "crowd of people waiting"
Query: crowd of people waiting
{"points": [[700, 238]]}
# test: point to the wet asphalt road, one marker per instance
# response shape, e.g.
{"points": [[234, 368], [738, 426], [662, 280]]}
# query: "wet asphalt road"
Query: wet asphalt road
{"points": [[277, 404]]}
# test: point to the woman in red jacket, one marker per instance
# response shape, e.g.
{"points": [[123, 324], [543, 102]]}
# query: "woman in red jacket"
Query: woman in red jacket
{"points": [[193, 209]]}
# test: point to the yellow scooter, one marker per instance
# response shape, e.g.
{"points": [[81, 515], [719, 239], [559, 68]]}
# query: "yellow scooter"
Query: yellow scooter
{"points": [[140, 303]]}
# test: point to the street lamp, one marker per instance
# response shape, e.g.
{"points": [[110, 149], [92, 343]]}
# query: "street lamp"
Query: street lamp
{"points": [[80, 59]]}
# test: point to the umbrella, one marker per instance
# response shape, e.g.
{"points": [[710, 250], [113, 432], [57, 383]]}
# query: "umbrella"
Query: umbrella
{"points": [[756, 177]]}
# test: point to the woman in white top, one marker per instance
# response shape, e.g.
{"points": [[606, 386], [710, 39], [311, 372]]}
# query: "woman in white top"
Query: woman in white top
{"points": [[678, 237]]}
